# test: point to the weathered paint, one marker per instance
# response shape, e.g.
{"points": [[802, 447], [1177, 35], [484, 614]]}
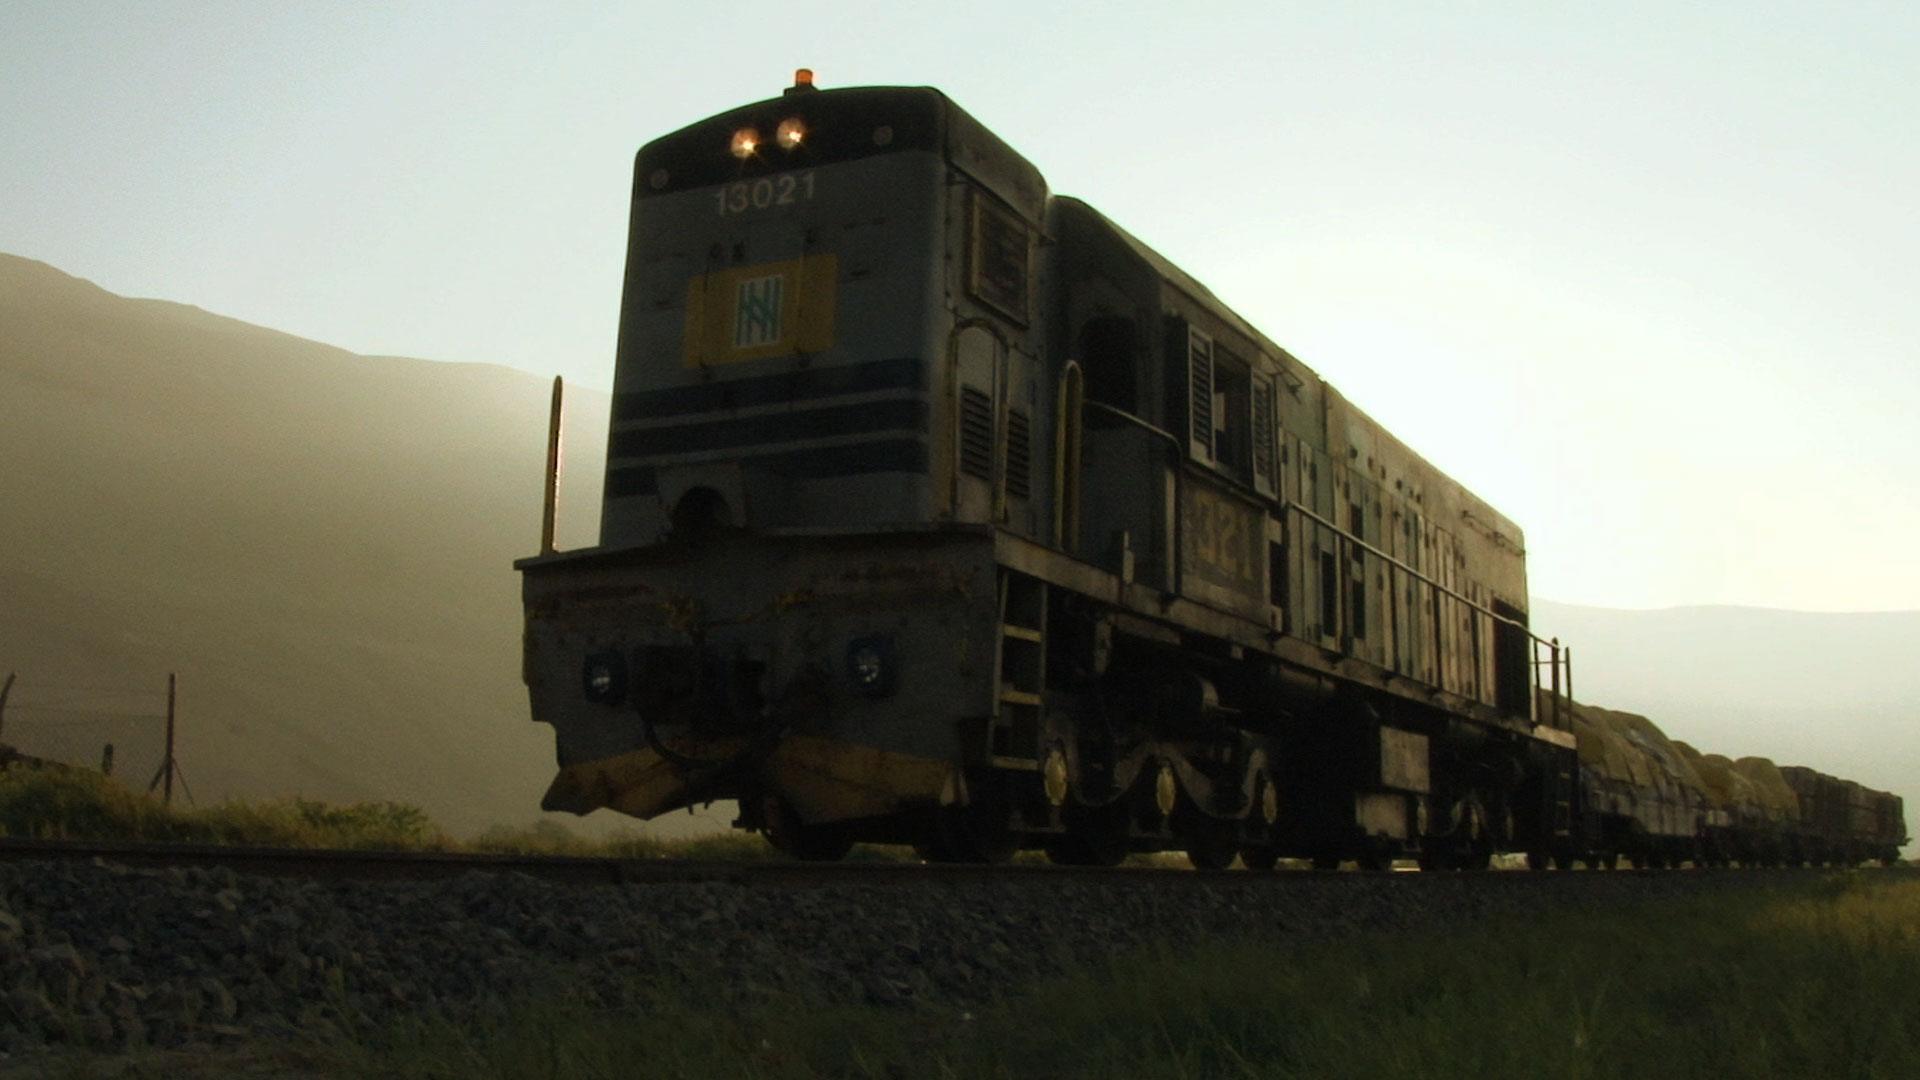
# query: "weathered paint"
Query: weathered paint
{"points": [[828, 780]]}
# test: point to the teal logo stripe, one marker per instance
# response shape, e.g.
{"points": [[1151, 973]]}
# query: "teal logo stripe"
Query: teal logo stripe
{"points": [[756, 318]]}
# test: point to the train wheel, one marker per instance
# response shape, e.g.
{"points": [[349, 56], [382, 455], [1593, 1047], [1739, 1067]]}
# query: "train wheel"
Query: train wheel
{"points": [[1095, 836], [1082, 849], [1212, 852], [969, 834], [1477, 860], [1435, 860], [1326, 862], [796, 838], [1374, 862], [1562, 862], [1539, 860], [1262, 858]]}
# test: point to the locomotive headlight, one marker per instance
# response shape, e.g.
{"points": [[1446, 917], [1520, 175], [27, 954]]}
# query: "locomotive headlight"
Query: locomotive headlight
{"points": [[792, 132], [603, 678], [871, 665], [746, 142]]}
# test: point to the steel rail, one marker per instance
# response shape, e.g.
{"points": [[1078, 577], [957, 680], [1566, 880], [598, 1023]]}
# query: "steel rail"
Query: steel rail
{"points": [[347, 865]]}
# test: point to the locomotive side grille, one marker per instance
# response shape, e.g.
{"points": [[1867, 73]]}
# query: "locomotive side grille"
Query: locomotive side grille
{"points": [[1200, 392], [976, 433], [1263, 434], [1019, 451]]}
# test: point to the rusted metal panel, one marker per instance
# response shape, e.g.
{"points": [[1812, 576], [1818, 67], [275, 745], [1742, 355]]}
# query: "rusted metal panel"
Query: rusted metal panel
{"points": [[759, 631], [1384, 814], [1403, 761], [1222, 549]]}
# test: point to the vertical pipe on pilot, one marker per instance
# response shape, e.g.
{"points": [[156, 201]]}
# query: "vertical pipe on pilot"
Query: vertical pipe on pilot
{"points": [[551, 501]]}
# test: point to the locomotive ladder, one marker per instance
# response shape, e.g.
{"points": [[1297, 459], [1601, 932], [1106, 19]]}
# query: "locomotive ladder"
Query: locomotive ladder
{"points": [[1561, 820], [1019, 672]]}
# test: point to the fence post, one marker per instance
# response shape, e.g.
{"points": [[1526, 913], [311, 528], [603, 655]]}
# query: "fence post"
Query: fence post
{"points": [[166, 791], [5, 689]]}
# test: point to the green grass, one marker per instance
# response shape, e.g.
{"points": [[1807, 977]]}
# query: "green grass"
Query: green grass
{"points": [[62, 805], [76, 805], [1814, 980]]}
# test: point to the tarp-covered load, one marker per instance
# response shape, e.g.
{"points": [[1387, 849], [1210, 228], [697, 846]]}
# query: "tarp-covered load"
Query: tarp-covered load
{"points": [[1726, 788], [1637, 772], [1775, 796]]}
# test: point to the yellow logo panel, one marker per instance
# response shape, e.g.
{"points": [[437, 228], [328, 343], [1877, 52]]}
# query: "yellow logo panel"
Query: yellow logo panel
{"points": [[771, 309]]}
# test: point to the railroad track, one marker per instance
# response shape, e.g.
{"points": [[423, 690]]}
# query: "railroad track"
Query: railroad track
{"points": [[594, 870]]}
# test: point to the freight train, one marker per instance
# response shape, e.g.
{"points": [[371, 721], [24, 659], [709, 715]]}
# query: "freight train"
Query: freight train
{"points": [[941, 510]]}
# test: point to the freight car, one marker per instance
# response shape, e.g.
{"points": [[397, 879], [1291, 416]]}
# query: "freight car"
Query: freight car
{"points": [[941, 510], [1660, 803]]}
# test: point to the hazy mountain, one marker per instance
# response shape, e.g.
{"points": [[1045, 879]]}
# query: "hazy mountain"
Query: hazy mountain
{"points": [[1838, 692], [319, 543]]}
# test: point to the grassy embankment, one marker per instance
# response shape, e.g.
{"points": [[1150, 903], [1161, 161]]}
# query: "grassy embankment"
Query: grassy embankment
{"points": [[1812, 980], [78, 805], [86, 806]]}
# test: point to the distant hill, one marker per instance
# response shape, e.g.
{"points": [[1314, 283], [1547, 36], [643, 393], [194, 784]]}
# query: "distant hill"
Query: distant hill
{"points": [[319, 543], [1838, 692]]}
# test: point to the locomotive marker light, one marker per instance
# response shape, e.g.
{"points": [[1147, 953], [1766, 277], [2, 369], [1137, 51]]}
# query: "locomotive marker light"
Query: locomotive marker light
{"points": [[603, 677], [791, 133], [870, 664], [745, 142]]}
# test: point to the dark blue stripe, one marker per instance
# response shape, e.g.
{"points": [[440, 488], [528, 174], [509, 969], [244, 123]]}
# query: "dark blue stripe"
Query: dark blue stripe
{"points": [[886, 455], [744, 431], [800, 384]]}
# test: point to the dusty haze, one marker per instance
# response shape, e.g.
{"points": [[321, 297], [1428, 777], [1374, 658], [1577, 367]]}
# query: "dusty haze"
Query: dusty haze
{"points": [[320, 543]]}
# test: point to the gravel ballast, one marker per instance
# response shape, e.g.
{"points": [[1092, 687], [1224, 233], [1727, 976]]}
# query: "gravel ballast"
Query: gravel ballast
{"points": [[113, 958]]}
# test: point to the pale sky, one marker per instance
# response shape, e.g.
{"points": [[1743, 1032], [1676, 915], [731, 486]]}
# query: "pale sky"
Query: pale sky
{"points": [[1643, 277]]}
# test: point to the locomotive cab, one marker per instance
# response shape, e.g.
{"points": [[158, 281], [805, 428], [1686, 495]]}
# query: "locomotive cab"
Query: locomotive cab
{"points": [[827, 322]]}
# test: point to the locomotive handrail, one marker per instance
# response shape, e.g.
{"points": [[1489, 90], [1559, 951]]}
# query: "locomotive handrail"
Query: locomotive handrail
{"points": [[1289, 504], [1561, 658], [1136, 422], [1395, 562]]}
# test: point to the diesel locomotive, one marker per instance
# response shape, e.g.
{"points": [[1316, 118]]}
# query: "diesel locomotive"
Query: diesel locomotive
{"points": [[941, 510]]}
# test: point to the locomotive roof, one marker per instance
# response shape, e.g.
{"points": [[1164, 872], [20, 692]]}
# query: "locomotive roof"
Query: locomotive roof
{"points": [[844, 124], [1170, 273]]}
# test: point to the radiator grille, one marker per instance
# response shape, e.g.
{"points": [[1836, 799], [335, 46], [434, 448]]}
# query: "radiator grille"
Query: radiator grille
{"points": [[1019, 451], [1263, 434], [976, 433], [1200, 392]]}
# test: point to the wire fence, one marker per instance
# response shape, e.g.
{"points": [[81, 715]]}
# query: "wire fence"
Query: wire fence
{"points": [[118, 730]]}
